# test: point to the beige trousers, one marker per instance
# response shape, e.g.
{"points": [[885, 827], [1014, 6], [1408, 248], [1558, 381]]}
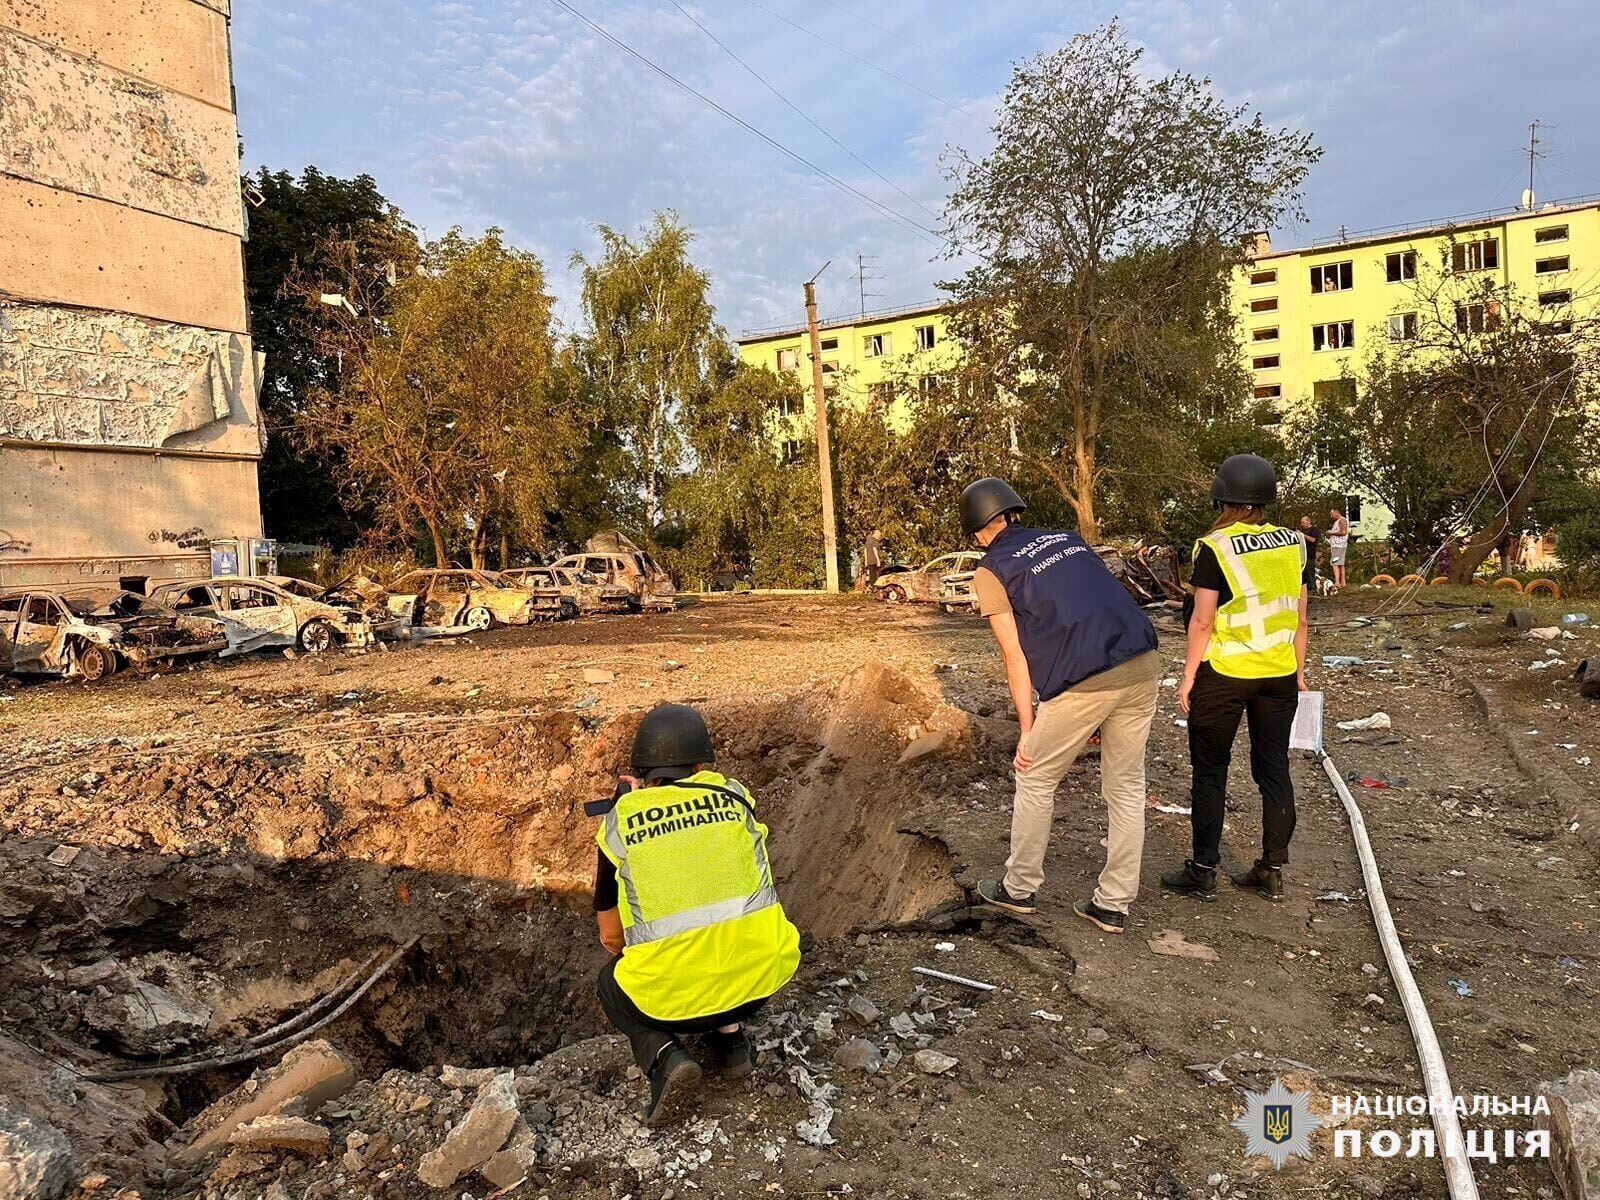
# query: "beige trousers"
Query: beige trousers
{"points": [[1060, 731]]}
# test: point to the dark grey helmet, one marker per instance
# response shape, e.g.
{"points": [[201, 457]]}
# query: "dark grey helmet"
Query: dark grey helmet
{"points": [[1245, 479], [671, 735], [985, 499]]}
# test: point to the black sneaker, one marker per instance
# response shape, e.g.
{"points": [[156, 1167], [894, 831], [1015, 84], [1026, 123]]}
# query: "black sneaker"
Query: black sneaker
{"points": [[736, 1056], [993, 891], [1105, 918], [673, 1079], [1192, 879], [1261, 878]]}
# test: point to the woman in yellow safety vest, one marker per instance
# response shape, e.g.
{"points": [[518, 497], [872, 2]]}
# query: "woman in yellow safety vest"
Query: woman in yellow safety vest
{"points": [[1246, 657]]}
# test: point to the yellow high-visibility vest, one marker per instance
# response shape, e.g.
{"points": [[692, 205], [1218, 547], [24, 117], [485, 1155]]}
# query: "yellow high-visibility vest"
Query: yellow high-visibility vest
{"points": [[1254, 634], [703, 931]]}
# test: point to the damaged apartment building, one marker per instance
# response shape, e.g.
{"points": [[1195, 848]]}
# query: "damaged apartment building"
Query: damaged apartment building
{"points": [[129, 430]]}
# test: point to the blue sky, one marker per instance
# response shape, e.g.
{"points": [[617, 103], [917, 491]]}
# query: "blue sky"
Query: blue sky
{"points": [[513, 113]]}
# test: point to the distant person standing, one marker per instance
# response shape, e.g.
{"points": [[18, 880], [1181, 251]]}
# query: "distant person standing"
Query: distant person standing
{"points": [[1338, 545], [1070, 634], [872, 555], [1313, 537]]}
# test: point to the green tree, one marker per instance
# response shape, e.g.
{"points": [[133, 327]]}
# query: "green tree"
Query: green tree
{"points": [[648, 347], [1473, 423], [740, 506], [448, 402], [1101, 228], [289, 229]]}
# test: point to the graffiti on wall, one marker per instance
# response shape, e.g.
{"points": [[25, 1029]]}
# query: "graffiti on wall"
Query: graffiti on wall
{"points": [[193, 538], [12, 545]]}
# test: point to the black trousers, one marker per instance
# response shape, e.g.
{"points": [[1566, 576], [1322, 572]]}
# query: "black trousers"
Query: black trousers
{"points": [[1215, 707], [645, 1034]]}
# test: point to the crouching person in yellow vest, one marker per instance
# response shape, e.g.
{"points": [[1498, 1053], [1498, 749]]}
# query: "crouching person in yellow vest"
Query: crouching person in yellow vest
{"points": [[684, 897]]}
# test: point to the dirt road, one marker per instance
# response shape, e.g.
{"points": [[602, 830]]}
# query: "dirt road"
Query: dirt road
{"points": [[251, 832]]}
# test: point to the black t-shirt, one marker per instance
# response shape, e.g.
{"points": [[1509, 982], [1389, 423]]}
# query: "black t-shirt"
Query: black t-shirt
{"points": [[1312, 536], [1207, 573], [605, 882]]}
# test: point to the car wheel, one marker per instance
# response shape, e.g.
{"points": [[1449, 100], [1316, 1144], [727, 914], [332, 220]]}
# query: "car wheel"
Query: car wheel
{"points": [[317, 636], [478, 618], [569, 611], [894, 594], [96, 662]]}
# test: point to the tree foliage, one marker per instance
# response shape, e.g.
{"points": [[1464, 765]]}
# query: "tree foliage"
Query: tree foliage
{"points": [[289, 230], [1099, 231], [649, 346], [1471, 426], [448, 406]]}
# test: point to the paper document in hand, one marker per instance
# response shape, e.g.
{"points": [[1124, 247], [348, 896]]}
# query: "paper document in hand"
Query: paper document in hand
{"points": [[1307, 731]]}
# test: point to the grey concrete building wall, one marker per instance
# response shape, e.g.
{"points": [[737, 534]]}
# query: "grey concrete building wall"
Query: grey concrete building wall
{"points": [[129, 427]]}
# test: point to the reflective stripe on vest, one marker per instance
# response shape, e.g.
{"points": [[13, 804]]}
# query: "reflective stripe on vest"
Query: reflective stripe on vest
{"points": [[1255, 630], [638, 930]]}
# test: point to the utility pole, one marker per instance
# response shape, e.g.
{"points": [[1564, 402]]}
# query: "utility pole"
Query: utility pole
{"points": [[819, 397]]}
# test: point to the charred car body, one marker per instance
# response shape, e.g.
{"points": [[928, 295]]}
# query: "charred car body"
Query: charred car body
{"points": [[581, 594], [259, 612], [922, 585], [356, 593], [613, 559], [1149, 573], [458, 598], [90, 632]]}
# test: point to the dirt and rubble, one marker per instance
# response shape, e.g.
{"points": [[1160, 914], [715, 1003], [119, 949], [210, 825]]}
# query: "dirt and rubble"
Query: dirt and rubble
{"points": [[189, 860]]}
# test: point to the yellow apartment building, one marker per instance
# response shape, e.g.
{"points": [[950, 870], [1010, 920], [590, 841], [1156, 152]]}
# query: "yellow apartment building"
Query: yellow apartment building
{"points": [[862, 356], [1309, 317]]}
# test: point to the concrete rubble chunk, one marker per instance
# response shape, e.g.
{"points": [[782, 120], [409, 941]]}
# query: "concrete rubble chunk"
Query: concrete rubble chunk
{"points": [[93, 974], [272, 1132], [923, 747], [596, 675], [1574, 1125], [148, 1018], [481, 1133], [312, 1073], [862, 1009], [932, 1062], [511, 1164], [35, 1159], [466, 1077], [858, 1054]]}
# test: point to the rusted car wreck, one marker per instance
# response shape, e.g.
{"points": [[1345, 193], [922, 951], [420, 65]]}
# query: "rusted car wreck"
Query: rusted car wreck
{"points": [[90, 632], [257, 613]]}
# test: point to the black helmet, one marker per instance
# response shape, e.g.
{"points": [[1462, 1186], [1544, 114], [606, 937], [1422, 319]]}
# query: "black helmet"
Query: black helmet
{"points": [[985, 499], [1245, 479], [671, 735]]}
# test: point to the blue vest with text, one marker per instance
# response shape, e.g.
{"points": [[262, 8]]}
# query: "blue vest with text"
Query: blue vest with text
{"points": [[1073, 618]]}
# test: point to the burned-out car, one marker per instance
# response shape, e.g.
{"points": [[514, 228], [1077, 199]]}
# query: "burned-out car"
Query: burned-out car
{"points": [[649, 587], [89, 632], [259, 612], [1149, 573], [922, 585], [458, 598], [355, 593], [581, 594], [547, 604]]}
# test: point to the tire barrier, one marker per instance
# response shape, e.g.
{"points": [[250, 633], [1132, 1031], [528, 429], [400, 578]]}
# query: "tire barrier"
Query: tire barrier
{"points": [[1381, 581], [1505, 581], [1479, 581], [1543, 587], [1410, 579], [1439, 581]]}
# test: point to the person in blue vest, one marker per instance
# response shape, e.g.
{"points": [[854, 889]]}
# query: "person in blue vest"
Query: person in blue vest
{"points": [[1071, 636]]}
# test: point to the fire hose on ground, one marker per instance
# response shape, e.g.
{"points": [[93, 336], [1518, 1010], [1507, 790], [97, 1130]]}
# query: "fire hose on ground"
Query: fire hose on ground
{"points": [[1441, 1096]]}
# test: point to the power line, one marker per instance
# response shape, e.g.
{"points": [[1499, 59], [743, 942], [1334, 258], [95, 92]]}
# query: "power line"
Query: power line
{"points": [[801, 113], [866, 62], [876, 205], [915, 45]]}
